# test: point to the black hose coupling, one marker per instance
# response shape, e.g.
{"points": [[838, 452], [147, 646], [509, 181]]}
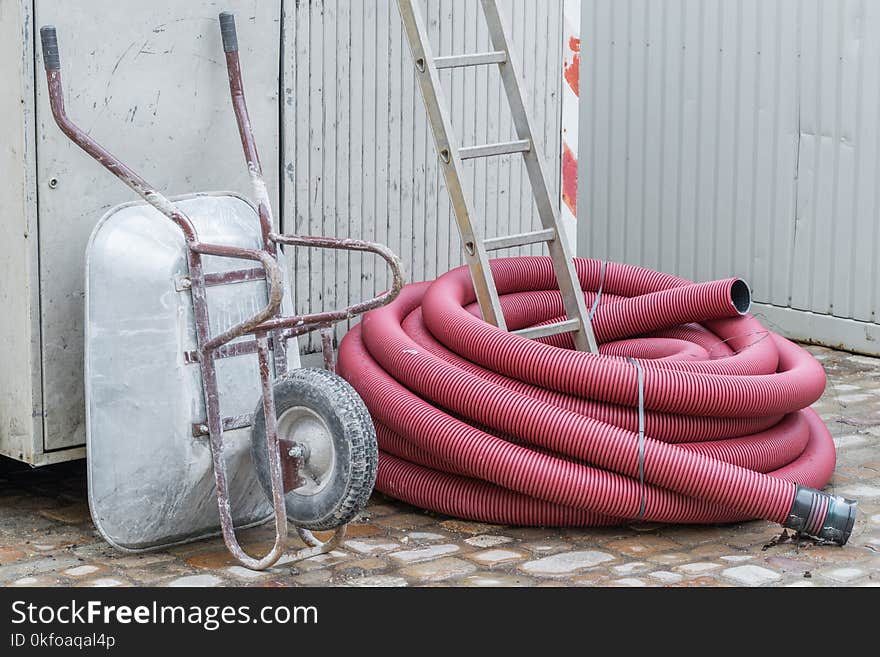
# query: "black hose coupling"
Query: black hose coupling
{"points": [[821, 515], [227, 31], [49, 39]]}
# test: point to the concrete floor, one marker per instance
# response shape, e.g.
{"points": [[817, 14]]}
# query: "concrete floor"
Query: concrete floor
{"points": [[47, 537]]}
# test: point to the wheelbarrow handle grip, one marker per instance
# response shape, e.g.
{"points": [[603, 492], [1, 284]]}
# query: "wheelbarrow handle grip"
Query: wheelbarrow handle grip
{"points": [[49, 39], [227, 31]]}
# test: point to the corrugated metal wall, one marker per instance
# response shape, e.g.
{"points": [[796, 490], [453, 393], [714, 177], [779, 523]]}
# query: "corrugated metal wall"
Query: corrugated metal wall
{"points": [[359, 157], [725, 137]]}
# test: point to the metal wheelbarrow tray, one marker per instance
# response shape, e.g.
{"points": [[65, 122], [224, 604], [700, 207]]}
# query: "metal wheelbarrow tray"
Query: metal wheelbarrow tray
{"points": [[176, 328]]}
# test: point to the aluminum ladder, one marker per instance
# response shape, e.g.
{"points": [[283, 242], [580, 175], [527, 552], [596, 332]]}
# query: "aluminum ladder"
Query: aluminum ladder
{"points": [[476, 251]]}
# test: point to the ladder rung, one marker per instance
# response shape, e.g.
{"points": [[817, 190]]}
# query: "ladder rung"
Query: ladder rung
{"points": [[535, 332], [474, 59], [502, 148], [521, 239]]}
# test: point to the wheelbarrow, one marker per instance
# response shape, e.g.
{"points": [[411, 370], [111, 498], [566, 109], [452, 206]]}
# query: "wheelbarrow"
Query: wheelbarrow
{"points": [[175, 325]]}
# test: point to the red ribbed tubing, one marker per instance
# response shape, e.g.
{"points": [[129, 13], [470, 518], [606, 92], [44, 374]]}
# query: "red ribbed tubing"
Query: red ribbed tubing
{"points": [[479, 423]]}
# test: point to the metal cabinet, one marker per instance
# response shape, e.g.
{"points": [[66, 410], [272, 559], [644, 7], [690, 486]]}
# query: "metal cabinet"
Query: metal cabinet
{"points": [[345, 125], [153, 90]]}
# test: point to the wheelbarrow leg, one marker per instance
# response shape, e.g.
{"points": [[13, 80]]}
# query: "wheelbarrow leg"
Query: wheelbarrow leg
{"points": [[215, 428], [236, 87], [327, 349]]}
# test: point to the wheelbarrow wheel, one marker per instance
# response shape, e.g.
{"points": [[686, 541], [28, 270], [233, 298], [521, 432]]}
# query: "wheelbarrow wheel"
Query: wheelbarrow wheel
{"points": [[325, 428]]}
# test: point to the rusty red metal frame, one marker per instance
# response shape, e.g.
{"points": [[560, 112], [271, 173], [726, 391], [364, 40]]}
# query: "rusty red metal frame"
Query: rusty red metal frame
{"points": [[270, 328]]}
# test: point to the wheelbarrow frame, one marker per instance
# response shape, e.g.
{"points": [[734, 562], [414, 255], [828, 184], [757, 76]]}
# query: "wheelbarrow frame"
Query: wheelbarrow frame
{"points": [[270, 328]]}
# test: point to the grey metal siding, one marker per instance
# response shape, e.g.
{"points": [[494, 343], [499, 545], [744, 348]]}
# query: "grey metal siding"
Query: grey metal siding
{"points": [[724, 137], [359, 157]]}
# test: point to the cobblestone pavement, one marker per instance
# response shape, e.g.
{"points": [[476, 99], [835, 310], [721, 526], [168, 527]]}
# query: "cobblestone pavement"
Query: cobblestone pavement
{"points": [[47, 537]]}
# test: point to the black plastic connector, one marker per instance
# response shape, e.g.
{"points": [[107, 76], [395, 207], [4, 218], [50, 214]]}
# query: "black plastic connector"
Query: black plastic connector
{"points": [[227, 31], [49, 39], [839, 515]]}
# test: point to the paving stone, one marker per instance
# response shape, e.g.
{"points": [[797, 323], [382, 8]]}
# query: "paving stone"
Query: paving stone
{"points": [[246, 573], [196, 580], [845, 574], [592, 577], [212, 560], [546, 547], [670, 558], [405, 520], [38, 566], [467, 527], [852, 398], [313, 578], [860, 491], [370, 563], [9, 554], [439, 569], [488, 540], [566, 562], [425, 553], [496, 557], [355, 530], [426, 537], [698, 568], [631, 567], [80, 571], [486, 580], [844, 442], [157, 576], [35, 580], [105, 582], [629, 581], [698, 582], [326, 559], [751, 575], [371, 545], [143, 560], [640, 546], [379, 581], [665, 576]]}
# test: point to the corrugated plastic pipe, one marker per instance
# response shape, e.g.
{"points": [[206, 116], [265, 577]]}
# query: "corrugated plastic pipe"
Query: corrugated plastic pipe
{"points": [[480, 423]]}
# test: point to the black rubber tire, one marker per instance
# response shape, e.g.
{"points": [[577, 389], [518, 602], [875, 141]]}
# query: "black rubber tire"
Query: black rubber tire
{"points": [[354, 438]]}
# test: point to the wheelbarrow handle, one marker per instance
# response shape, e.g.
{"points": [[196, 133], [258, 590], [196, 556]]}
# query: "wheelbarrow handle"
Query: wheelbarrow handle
{"points": [[245, 128], [49, 40], [273, 280], [303, 323], [227, 31]]}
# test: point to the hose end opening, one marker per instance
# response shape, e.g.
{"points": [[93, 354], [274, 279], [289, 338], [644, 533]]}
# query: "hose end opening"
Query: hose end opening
{"points": [[741, 296], [823, 516]]}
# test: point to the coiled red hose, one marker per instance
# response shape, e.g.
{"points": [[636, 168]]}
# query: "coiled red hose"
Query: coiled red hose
{"points": [[480, 423]]}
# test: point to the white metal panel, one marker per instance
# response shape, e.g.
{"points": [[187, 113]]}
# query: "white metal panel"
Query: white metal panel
{"points": [[724, 137], [358, 155], [155, 93], [20, 397]]}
